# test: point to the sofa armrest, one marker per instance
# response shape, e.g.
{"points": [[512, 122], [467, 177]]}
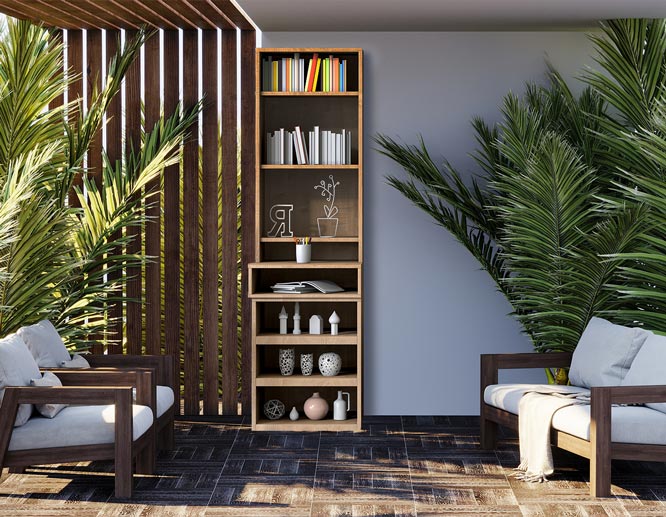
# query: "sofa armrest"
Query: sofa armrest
{"points": [[628, 394], [120, 396], [492, 363], [141, 379], [162, 364]]}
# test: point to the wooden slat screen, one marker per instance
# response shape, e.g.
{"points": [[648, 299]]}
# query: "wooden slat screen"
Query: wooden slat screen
{"points": [[189, 289]]}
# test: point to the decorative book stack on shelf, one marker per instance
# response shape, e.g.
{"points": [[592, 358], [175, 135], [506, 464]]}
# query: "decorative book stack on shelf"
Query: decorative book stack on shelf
{"points": [[308, 340]]}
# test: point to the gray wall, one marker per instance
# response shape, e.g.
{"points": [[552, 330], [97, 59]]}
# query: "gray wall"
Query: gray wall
{"points": [[429, 310]]}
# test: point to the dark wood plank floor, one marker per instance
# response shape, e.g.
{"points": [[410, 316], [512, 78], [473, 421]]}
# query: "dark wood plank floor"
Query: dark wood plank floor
{"points": [[397, 466]]}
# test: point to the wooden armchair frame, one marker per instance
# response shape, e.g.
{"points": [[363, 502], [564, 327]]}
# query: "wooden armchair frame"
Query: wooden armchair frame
{"points": [[87, 388], [598, 449], [163, 367]]}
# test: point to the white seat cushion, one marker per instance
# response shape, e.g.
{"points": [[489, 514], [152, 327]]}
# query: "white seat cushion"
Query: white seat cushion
{"points": [[507, 396], [76, 425], [165, 399], [45, 344], [630, 424]]}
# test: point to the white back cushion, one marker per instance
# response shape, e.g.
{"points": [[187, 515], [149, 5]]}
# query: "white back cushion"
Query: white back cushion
{"points": [[648, 367], [17, 367], [45, 344], [605, 353]]}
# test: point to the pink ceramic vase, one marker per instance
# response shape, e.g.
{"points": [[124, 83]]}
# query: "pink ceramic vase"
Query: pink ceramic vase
{"points": [[315, 407]]}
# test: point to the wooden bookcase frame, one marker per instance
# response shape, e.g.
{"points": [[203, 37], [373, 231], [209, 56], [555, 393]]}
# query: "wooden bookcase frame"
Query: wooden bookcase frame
{"points": [[337, 258]]}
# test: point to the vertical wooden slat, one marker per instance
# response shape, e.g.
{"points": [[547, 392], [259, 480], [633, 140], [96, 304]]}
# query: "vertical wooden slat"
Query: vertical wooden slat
{"points": [[229, 225], [153, 284], [210, 214], [75, 89], [191, 230], [247, 123], [133, 141], [56, 39], [114, 152], [171, 214], [94, 81]]}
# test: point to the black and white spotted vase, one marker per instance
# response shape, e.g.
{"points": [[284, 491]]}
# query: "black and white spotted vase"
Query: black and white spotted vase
{"points": [[330, 364], [287, 359], [307, 364]]}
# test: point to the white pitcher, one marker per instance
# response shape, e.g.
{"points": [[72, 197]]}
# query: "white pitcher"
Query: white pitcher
{"points": [[341, 406]]}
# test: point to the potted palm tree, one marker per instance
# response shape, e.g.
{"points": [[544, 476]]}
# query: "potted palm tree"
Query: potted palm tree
{"points": [[56, 259], [568, 211]]}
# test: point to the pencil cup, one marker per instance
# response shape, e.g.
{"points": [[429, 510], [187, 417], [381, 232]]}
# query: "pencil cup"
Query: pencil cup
{"points": [[303, 253]]}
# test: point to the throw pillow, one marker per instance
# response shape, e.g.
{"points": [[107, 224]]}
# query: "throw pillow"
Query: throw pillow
{"points": [[648, 367], [77, 361], [605, 353], [48, 410], [45, 344], [17, 367]]}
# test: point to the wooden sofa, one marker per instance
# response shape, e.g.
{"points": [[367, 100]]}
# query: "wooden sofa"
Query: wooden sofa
{"points": [[599, 449], [89, 393]]}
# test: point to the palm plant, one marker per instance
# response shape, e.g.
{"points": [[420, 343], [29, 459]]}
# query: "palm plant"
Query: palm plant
{"points": [[567, 211], [55, 258]]}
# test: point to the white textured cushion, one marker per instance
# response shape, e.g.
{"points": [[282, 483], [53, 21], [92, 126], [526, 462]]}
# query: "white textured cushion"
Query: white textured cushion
{"points": [[17, 367], [629, 424], [507, 396], [649, 367], [48, 410], [604, 353], [77, 425], [45, 344], [77, 361], [165, 399]]}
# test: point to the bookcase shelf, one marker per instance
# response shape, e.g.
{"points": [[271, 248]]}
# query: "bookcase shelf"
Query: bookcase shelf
{"points": [[338, 258], [309, 94], [306, 167]]}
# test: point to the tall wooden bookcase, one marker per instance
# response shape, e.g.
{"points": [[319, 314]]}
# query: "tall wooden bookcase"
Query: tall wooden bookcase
{"points": [[338, 258]]}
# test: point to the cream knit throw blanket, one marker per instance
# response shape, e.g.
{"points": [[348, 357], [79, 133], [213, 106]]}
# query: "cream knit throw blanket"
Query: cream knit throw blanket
{"points": [[535, 415]]}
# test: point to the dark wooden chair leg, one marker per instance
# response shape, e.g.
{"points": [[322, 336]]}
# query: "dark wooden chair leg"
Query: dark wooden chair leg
{"points": [[123, 446], [146, 458], [600, 443], [488, 433], [165, 437]]}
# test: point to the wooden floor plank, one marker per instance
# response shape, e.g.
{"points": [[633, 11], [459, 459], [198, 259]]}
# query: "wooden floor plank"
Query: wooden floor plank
{"points": [[223, 468]]}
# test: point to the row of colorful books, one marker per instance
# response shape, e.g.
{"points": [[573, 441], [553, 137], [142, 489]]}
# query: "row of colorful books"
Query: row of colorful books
{"points": [[291, 74], [285, 147]]}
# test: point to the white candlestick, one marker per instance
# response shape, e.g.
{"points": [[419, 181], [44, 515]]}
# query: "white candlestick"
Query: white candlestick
{"points": [[297, 318], [283, 320]]}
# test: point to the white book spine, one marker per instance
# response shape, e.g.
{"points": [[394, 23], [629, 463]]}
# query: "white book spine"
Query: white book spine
{"points": [[324, 148], [297, 149], [317, 159], [338, 148], [281, 146], [343, 150], [331, 141]]}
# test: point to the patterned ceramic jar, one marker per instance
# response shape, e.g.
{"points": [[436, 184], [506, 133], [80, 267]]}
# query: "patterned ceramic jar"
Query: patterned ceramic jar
{"points": [[287, 359], [307, 364], [330, 364]]}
